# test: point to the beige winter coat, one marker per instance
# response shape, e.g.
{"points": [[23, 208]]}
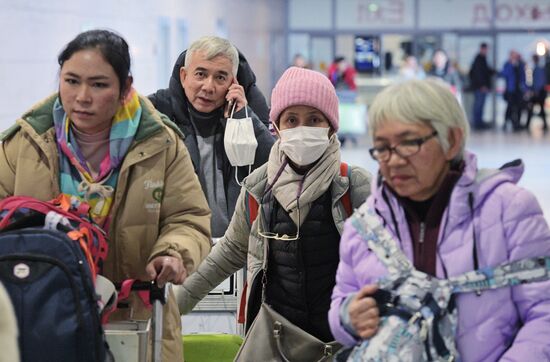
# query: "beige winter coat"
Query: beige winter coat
{"points": [[159, 207], [8, 329]]}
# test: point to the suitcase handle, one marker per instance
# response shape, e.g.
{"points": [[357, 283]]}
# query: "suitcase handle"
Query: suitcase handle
{"points": [[155, 292], [157, 298]]}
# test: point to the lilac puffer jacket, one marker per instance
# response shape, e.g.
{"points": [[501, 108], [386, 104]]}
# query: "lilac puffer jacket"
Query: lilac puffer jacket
{"points": [[507, 324]]}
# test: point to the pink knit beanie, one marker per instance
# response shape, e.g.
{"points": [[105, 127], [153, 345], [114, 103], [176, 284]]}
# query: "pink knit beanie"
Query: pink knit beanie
{"points": [[304, 87]]}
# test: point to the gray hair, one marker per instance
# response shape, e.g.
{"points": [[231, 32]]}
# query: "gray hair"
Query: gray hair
{"points": [[427, 101], [212, 47]]}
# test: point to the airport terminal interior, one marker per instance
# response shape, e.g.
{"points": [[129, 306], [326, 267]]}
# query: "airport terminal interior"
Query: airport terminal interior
{"points": [[384, 41]]}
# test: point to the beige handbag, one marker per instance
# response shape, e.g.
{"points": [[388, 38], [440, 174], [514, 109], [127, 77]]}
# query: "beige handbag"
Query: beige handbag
{"points": [[273, 338]]}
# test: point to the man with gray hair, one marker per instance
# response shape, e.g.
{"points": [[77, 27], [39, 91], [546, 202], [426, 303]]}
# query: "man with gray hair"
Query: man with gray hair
{"points": [[205, 91]]}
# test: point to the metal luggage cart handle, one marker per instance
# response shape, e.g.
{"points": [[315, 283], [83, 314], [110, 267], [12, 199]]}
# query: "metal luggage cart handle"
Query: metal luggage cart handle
{"points": [[157, 298]]}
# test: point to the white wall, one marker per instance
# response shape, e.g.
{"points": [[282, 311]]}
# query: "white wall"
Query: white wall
{"points": [[33, 32]]}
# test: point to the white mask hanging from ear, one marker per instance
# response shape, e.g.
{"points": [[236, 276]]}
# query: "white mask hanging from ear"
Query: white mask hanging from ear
{"points": [[239, 140], [304, 145]]}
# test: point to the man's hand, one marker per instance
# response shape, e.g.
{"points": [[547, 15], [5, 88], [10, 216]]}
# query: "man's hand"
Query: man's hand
{"points": [[235, 94], [363, 312], [166, 269]]}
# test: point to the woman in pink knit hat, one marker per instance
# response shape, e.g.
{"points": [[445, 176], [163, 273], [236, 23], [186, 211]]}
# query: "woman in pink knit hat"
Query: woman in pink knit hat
{"points": [[304, 195]]}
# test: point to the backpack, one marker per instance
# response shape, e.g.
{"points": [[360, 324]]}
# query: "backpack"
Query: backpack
{"points": [[418, 314], [49, 258], [252, 208]]}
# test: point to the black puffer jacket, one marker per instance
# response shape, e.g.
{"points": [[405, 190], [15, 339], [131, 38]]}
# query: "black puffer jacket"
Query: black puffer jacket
{"points": [[301, 273], [173, 103]]}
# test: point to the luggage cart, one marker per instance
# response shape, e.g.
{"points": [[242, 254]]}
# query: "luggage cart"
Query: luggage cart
{"points": [[129, 340]]}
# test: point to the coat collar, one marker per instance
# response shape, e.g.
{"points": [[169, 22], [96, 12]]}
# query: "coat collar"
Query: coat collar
{"points": [[478, 183], [40, 118]]}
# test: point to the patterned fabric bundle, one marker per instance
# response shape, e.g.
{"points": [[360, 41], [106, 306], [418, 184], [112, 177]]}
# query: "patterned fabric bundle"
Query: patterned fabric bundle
{"points": [[75, 176], [418, 314]]}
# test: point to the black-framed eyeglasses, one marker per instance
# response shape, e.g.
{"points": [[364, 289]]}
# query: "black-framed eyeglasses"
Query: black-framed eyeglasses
{"points": [[404, 148]]}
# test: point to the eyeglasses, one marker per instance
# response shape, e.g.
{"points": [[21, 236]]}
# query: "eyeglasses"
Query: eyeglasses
{"points": [[276, 236], [404, 148]]}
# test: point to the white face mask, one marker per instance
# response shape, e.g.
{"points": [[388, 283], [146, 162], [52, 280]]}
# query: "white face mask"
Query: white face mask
{"points": [[239, 140], [304, 145]]}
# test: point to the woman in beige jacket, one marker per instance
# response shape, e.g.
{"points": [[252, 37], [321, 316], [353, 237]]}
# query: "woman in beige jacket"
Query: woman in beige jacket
{"points": [[98, 134]]}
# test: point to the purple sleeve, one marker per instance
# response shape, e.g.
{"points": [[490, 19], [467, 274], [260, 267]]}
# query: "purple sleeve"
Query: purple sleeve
{"points": [[346, 283], [528, 235]]}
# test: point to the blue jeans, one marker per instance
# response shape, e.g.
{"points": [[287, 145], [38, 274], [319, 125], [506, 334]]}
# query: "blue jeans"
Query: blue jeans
{"points": [[479, 103]]}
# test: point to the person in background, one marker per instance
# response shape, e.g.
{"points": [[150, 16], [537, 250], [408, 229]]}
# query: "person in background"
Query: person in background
{"points": [[410, 69], [342, 74], [203, 91], [442, 68], [480, 75], [342, 77], [547, 68], [8, 329], [300, 61], [101, 143], [513, 73], [537, 93], [449, 217], [301, 212]]}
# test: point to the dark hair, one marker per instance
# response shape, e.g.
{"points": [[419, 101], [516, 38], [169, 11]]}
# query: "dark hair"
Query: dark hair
{"points": [[112, 46], [483, 45]]}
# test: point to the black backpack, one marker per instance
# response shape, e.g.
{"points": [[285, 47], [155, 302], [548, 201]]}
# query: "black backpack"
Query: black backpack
{"points": [[49, 275]]}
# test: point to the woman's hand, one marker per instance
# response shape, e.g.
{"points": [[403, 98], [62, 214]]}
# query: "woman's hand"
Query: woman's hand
{"points": [[363, 312], [166, 269], [235, 93]]}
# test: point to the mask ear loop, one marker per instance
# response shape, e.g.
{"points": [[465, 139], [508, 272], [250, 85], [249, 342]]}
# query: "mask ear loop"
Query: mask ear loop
{"points": [[233, 110], [236, 177], [236, 167]]}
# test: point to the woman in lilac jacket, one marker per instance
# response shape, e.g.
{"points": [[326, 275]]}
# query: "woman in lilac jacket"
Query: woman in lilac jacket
{"points": [[449, 218]]}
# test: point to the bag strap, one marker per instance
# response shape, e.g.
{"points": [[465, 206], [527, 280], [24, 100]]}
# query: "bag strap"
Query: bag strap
{"points": [[381, 242], [251, 208], [509, 274], [97, 242], [513, 273], [142, 290], [241, 318], [345, 171]]}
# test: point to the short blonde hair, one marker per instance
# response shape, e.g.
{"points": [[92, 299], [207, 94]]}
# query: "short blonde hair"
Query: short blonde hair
{"points": [[428, 101], [214, 46]]}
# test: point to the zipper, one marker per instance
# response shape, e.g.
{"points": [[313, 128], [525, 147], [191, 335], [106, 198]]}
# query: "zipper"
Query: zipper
{"points": [[422, 233], [421, 237]]}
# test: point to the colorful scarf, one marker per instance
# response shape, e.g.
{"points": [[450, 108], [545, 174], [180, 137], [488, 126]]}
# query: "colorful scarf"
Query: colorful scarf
{"points": [[75, 177]]}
